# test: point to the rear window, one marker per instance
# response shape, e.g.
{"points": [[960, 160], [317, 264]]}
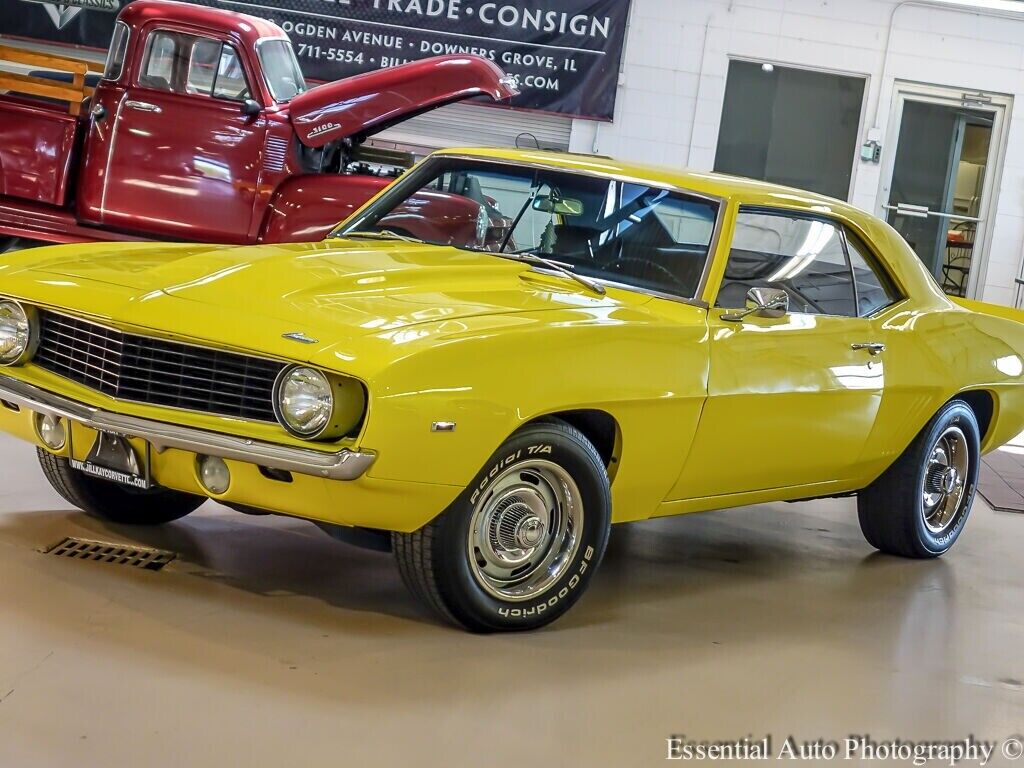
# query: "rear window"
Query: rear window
{"points": [[115, 56]]}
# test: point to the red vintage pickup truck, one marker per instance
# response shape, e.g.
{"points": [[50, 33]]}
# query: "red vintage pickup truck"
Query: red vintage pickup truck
{"points": [[201, 127]]}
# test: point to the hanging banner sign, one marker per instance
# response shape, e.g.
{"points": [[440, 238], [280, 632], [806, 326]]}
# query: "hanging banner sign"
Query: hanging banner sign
{"points": [[566, 53]]}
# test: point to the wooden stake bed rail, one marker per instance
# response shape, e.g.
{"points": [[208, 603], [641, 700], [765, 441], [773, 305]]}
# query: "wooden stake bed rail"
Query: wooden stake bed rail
{"points": [[73, 93]]}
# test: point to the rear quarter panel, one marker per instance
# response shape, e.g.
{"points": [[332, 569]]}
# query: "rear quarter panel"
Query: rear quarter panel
{"points": [[995, 361]]}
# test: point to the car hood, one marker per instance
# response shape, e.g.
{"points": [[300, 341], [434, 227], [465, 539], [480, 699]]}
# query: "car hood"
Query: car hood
{"points": [[328, 291], [369, 103]]}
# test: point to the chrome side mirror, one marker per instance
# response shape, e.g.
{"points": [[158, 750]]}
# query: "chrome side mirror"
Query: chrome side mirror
{"points": [[762, 302]]}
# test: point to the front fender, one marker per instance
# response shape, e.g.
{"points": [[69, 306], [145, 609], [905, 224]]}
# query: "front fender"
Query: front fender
{"points": [[307, 208], [490, 375]]}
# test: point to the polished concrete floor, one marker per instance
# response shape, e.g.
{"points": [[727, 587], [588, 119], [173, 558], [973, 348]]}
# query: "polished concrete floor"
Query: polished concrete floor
{"points": [[268, 644]]}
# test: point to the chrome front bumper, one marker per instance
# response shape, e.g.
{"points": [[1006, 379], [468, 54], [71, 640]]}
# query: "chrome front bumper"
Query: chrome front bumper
{"points": [[344, 465]]}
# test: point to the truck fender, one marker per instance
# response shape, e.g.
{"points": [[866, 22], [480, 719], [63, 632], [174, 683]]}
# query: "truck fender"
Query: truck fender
{"points": [[306, 208]]}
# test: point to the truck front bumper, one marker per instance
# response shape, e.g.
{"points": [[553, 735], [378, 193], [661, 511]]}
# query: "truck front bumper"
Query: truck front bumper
{"points": [[343, 465]]}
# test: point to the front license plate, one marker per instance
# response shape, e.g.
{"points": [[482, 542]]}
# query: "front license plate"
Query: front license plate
{"points": [[115, 459]]}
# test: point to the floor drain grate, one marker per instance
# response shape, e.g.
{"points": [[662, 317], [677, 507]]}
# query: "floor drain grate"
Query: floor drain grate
{"points": [[117, 554]]}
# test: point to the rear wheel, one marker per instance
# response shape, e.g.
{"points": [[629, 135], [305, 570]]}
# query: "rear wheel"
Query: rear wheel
{"points": [[919, 506], [116, 503], [519, 546]]}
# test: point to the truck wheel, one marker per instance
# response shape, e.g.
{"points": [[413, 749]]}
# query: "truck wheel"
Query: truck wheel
{"points": [[519, 546], [116, 503], [919, 506]]}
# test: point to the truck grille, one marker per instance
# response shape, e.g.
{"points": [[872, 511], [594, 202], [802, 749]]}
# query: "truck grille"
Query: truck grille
{"points": [[157, 372]]}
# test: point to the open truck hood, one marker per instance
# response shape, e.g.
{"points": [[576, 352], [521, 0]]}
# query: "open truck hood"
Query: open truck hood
{"points": [[369, 103]]}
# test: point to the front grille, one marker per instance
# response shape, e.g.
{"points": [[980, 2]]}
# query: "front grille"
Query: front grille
{"points": [[157, 372]]}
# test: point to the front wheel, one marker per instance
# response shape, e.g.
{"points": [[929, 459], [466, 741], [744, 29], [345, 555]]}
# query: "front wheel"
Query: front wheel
{"points": [[519, 546], [919, 506]]}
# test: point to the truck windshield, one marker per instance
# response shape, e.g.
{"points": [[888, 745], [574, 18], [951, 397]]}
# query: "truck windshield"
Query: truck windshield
{"points": [[281, 69]]}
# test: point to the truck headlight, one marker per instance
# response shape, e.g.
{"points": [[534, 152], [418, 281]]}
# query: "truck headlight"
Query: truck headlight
{"points": [[313, 405], [17, 333]]}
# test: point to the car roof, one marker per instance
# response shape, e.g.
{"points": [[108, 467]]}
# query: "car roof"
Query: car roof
{"points": [[748, 191], [249, 28]]}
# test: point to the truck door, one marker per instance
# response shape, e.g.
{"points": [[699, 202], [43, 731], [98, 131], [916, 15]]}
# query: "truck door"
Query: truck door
{"points": [[184, 156]]}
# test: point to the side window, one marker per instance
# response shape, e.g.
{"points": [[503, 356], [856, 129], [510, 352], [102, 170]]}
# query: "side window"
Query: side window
{"points": [[202, 65], [802, 256], [230, 82], [874, 288], [115, 56], [195, 65], [158, 68]]}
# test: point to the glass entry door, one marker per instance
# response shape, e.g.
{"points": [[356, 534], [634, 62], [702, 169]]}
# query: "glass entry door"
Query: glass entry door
{"points": [[942, 178]]}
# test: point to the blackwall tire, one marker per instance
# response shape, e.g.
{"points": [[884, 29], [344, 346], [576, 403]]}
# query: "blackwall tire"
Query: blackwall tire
{"points": [[109, 501], [919, 506], [520, 545]]}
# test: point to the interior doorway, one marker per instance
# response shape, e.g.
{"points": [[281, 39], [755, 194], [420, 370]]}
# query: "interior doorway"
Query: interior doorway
{"points": [[942, 178]]}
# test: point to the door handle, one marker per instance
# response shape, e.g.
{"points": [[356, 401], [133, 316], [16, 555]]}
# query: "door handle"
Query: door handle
{"points": [[873, 347], [142, 106]]}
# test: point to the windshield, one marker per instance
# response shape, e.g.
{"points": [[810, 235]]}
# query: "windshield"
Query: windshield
{"points": [[281, 69], [623, 232]]}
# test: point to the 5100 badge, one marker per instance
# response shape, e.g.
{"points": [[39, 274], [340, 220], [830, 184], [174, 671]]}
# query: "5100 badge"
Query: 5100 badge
{"points": [[113, 458]]}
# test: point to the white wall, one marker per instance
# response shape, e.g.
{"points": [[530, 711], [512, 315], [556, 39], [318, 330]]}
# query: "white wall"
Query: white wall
{"points": [[677, 53]]}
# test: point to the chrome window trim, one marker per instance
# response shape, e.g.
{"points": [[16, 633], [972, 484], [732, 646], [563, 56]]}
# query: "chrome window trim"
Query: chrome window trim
{"points": [[716, 233]]}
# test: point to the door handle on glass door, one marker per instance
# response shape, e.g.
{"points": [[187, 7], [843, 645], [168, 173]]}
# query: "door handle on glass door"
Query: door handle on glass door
{"points": [[873, 347]]}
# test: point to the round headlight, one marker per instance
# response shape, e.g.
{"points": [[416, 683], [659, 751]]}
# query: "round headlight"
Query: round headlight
{"points": [[16, 333], [304, 401]]}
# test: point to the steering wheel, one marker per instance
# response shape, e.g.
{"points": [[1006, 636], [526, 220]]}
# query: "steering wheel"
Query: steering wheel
{"points": [[648, 263]]}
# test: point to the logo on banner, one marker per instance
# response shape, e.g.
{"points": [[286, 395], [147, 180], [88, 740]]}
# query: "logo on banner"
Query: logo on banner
{"points": [[61, 13]]}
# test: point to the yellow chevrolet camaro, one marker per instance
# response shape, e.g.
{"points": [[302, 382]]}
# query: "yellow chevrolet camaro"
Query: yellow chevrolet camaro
{"points": [[503, 354]]}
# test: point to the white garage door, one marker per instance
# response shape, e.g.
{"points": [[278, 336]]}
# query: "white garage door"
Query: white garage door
{"points": [[471, 125]]}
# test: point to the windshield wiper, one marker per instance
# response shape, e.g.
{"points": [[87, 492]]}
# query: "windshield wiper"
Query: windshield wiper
{"points": [[530, 257], [385, 234]]}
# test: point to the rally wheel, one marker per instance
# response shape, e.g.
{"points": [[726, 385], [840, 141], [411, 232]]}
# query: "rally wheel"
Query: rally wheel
{"points": [[920, 505], [520, 545]]}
